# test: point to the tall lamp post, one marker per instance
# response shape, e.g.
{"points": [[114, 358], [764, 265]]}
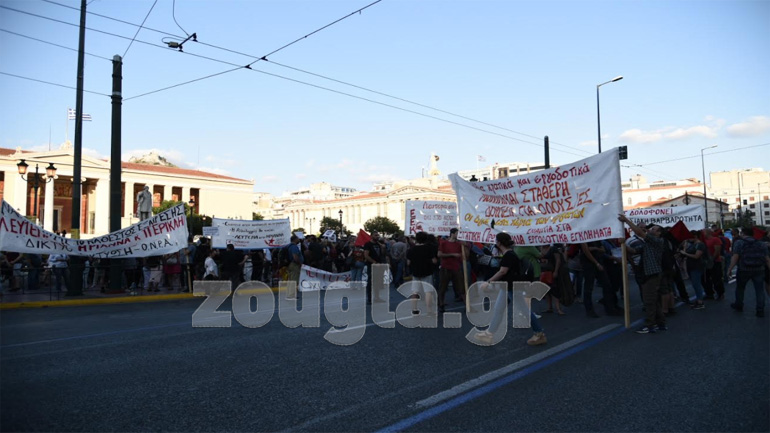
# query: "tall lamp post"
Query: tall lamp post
{"points": [[50, 173], [340, 223], [598, 115], [703, 168]]}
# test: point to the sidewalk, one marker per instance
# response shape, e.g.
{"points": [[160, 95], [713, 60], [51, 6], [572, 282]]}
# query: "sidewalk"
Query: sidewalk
{"points": [[51, 298]]}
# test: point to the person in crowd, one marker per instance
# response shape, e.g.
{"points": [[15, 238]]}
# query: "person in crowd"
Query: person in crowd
{"points": [[451, 255], [202, 252], [58, 263], [652, 268], [593, 270], [172, 270], [752, 259], [231, 269], [257, 265], [357, 263], [433, 243], [131, 274], [296, 260], [694, 250], [421, 259], [35, 262], [267, 267], [15, 262], [247, 267], [555, 264], [211, 269], [667, 275], [398, 261], [509, 272], [153, 272], [187, 260], [714, 287], [575, 271], [374, 253]]}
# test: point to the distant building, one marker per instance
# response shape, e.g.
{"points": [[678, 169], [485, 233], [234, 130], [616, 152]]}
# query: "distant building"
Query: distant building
{"points": [[212, 194], [744, 189], [638, 193]]}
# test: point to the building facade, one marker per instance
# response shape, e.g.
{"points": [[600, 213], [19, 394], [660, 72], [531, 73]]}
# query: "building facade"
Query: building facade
{"points": [[744, 190], [208, 193]]}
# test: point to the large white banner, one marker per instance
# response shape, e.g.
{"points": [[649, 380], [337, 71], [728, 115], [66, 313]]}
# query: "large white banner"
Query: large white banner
{"points": [[693, 216], [251, 235], [574, 203], [433, 217], [311, 279], [164, 233]]}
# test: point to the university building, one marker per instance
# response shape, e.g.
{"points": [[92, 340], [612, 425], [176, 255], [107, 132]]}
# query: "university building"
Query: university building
{"points": [[207, 193]]}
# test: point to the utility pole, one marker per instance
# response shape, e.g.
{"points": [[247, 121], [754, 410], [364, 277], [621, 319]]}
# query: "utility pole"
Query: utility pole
{"points": [[116, 268], [547, 153], [76, 262]]}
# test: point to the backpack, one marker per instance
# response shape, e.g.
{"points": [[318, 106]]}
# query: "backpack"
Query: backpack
{"points": [[752, 255]]}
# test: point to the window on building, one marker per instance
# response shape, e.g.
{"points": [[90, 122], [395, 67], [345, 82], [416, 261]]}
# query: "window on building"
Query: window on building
{"points": [[751, 198], [767, 213], [765, 197], [766, 205], [629, 200], [751, 206], [737, 200]]}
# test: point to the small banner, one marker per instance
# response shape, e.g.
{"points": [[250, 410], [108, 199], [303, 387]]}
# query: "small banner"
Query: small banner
{"points": [[251, 235], [574, 203], [693, 216], [164, 233], [432, 217], [311, 279]]}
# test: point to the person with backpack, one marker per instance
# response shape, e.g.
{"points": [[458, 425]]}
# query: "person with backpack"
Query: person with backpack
{"points": [[751, 257], [714, 274], [693, 250]]}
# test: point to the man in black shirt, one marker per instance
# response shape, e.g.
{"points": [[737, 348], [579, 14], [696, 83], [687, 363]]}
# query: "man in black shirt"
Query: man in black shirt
{"points": [[374, 253]]}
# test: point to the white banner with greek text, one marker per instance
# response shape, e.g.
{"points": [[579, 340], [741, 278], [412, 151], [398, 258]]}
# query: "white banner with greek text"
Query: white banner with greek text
{"points": [[693, 216], [311, 279], [574, 203], [251, 235], [164, 233], [432, 217]]}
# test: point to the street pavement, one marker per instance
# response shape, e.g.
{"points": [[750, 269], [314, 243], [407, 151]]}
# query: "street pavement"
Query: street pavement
{"points": [[143, 367]]}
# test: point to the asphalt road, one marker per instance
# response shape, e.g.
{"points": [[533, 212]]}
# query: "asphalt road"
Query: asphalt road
{"points": [[143, 367]]}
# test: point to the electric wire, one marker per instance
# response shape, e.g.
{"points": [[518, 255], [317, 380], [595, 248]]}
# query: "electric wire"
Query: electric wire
{"points": [[173, 15], [316, 31], [252, 56], [52, 84], [140, 28], [698, 156], [54, 44], [182, 84]]}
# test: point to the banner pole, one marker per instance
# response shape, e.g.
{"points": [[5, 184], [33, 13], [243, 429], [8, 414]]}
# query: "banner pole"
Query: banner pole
{"points": [[626, 299], [465, 279]]}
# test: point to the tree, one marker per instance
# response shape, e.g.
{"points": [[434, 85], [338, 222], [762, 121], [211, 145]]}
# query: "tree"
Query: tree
{"points": [[195, 223], [329, 223], [385, 226], [257, 216], [168, 204]]}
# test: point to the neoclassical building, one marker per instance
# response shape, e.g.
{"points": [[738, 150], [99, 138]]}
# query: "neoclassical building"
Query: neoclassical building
{"points": [[208, 193]]}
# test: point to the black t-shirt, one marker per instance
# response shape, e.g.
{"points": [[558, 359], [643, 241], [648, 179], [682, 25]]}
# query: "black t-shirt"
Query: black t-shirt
{"points": [[511, 261], [375, 252], [421, 260]]}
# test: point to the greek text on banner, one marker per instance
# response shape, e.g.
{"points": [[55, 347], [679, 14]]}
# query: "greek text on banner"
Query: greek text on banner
{"points": [[251, 235], [161, 234], [433, 217], [573, 203]]}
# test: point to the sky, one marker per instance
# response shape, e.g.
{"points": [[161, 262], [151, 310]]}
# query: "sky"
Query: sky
{"points": [[370, 97]]}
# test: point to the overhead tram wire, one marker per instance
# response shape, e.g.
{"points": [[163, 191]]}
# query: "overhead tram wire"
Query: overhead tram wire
{"points": [[186, 82], [252, 56], [52, 84], [54, 44], [140, 27]]}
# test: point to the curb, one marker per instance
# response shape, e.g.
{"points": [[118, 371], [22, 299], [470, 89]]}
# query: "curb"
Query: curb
{"points": [[102, 301]]}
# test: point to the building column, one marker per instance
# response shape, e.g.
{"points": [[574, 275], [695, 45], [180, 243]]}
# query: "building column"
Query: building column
{"points": [[48, 206], [130, 201], [102, 209], [20, 194], [166, 193], [186, 194]]}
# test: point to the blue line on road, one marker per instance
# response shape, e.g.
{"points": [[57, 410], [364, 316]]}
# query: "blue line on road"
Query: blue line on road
{"points": [[101, 334], [486, 389]]}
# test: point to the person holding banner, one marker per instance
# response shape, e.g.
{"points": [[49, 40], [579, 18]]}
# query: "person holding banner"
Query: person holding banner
{"points": [[296, 259], [509, 272], [421, 260], [590, 261], [451, 254], [693, 250]]}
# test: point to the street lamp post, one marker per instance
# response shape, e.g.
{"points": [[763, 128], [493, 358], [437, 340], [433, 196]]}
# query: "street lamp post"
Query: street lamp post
{"points": [[598, 115], [705, 198], [340, 222], [50, 173]]}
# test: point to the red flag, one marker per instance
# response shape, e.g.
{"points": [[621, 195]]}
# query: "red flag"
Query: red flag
{"points": [[362, 238], [759, 233], [680, 232]]}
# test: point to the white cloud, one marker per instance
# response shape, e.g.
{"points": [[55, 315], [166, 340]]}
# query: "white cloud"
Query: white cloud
{"points": [[701, 130], [638, 136], [270, 179], [756, 125]]}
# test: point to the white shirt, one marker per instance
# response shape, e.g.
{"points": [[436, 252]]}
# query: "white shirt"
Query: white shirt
{"points": [[211, 267]]}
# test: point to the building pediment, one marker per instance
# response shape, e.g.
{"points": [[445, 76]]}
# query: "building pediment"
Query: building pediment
{"points": [[411, 189]]}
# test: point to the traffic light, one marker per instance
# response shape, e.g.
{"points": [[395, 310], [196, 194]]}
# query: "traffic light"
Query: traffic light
{"points": [[623, 152]]}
